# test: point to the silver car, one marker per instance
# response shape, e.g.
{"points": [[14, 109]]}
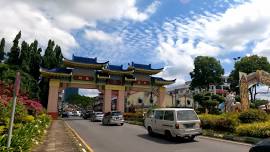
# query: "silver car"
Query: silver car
{"points": [[114, 117], [97, 116]]}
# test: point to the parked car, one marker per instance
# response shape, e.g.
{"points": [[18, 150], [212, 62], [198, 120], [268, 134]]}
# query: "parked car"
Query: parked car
{"points": [[70, 113], [97, 116], [87, 114], [261, 146], [174, 122], [114, 117], [77, 113], [65, 114]]}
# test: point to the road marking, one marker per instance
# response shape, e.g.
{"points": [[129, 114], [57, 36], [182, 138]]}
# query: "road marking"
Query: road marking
{"points": [[81, 140], [224, 140]]}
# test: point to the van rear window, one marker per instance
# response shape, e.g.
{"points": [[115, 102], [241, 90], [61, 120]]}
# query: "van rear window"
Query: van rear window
{"points": [[186, 115]]}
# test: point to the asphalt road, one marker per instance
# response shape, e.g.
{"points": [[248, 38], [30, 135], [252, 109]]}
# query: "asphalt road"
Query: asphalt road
{"points": [[132, 138]]}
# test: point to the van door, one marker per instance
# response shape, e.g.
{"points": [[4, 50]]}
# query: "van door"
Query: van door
{"points": [[168, 123], [158, 121]]}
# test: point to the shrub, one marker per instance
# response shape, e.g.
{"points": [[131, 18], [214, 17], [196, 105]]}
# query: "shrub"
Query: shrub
{"points": [[252, 115], [258, 129], [28, 118], [134, 116], [224, 122], [25, 135]]}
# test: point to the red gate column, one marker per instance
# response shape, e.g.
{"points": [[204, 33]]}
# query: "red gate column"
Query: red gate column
{"points": [[161, 96], [121, 101], [53, 98], [107, 100]]}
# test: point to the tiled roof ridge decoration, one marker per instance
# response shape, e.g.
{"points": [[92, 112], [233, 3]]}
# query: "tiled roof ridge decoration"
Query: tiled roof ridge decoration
{"points": [[84, 60], [143, 66]]}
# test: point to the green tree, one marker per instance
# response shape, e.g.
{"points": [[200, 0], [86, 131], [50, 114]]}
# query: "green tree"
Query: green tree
{"points": [[248, 65], [207, 71], [24, 59], [2, 50], [58, 56], [35, 60], [208, 101], [13, 55], [49, 58], [81, 101]]}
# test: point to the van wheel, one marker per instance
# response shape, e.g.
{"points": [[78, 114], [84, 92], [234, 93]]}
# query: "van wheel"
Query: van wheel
{"points": [[191, 138], [150, 131], [168, 135]]}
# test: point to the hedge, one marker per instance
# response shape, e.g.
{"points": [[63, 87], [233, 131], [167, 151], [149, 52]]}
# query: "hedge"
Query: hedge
{"points": [[224, 122], [259, 129], [134, 117], [253, 115]]}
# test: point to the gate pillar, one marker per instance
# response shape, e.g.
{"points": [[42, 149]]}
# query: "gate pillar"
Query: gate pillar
{"points": [[161, 96], [121, 101], [107, 100], [53, 98]]}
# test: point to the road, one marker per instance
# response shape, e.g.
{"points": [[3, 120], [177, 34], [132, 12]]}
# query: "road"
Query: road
{"points": [[132, 138]]}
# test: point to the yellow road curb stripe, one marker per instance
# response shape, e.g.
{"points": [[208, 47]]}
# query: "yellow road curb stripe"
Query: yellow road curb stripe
{"points": [[81, 140]]}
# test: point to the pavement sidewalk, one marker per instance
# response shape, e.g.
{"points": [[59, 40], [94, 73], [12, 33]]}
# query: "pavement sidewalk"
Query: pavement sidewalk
{"points": [[58, 139]]}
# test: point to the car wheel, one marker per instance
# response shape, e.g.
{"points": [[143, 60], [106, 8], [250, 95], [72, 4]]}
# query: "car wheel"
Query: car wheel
{"points": [[168, 135], [150, 131], [122, 124]]}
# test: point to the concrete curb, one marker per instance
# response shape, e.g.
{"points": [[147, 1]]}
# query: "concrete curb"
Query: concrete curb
{"points": [[224, 140], [88, 148], [233, 138]]}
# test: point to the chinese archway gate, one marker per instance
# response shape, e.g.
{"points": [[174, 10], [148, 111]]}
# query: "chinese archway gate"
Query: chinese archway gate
{"points": [[87, 73]]}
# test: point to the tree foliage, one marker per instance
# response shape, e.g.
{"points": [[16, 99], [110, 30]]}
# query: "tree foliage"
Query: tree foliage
{"points": [[13, 55], [82, 101], [209, 101], [207, 71], [2, 49], [27, 58], [248, 65]]}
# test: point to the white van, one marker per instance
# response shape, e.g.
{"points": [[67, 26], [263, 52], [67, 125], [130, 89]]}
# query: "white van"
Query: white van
{"points": [[174, 122]]}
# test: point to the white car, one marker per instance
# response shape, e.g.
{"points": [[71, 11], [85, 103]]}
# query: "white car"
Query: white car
{"points": [[97, 116], [174, 122]]}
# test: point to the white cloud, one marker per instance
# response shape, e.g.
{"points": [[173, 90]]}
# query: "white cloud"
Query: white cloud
{"points": [[263, 48], [215, 35], [102, 36], [226, 61], [89, 92], [20, 16], [44, 20]]}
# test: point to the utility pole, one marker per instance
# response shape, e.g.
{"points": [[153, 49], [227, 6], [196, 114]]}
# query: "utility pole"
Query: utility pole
{"points": [[15, 94]]}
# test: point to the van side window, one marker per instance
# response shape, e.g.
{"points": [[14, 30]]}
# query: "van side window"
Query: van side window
{"points": [[168, 115], [159, 114]]}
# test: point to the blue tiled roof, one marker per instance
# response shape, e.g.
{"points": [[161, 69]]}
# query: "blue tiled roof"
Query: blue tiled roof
{"points": [[141, 66], [60, 70], [84, 59], [115, 67]]}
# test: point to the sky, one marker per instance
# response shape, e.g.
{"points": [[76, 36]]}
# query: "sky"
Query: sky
{"points": [[165, 33]]}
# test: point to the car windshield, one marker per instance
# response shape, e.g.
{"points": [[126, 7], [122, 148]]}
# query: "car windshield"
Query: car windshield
{"points": [[116, 113], [186, 115]]}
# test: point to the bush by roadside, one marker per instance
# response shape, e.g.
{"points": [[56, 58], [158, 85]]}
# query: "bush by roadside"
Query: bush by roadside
{"points": [[224, 122], [253, 115], [26, 134], [258, 129]]}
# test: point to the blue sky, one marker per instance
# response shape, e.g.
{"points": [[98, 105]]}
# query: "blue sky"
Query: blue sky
{"points": [[166, 33]]}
